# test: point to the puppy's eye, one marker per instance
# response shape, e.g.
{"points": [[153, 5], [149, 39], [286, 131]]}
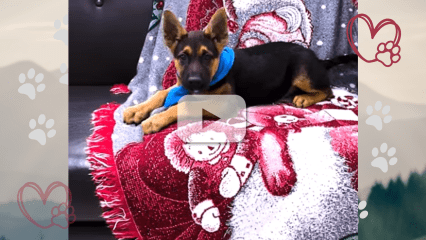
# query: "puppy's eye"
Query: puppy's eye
{"points": [[183, 57], [207, 57]]}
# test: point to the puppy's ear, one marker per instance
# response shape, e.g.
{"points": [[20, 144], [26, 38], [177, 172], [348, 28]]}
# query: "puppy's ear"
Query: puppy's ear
{"points": [[217, 29], [173, 31]]}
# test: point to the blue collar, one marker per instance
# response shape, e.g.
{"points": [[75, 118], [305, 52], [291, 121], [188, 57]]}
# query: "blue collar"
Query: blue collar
{"points": [[225, 64]]}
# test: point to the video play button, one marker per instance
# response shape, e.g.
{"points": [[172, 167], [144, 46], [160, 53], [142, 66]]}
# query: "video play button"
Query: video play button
{"points": [[212, 111]]}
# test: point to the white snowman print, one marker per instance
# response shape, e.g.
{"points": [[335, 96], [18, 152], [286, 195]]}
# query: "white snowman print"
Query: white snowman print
{"points": [[207, 146], [285, 119]]}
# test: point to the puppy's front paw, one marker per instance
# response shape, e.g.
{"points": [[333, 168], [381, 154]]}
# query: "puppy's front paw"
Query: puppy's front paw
{"points": [[135, 114], [151, 125]]}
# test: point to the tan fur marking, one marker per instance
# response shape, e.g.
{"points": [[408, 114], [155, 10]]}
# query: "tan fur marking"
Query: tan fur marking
{"points": [[221, 45], [306, 100], [159, 121], [179, 68], [203, 49], [303, 83], [187, 50], [214, 64], [135, 114], [223, 90], [312, 96]]}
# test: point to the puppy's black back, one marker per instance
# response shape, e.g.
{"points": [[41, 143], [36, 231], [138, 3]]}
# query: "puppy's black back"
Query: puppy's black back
{"points": [[264, 74]]}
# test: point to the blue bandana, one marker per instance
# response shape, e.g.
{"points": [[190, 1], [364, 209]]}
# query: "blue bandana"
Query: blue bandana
{"points": [[225, 64]]}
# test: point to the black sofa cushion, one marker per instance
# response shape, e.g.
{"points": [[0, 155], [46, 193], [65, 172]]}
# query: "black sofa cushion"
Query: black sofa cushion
{"points": [[105, 41]]}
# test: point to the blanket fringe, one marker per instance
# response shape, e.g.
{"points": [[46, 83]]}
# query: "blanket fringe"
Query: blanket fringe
{"points": [[119, 89], [108, 190]]}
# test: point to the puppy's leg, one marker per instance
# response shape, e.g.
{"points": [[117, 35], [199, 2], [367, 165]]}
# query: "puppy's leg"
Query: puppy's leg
{"points": [[137, 113], [161, 120], [312, 96]]}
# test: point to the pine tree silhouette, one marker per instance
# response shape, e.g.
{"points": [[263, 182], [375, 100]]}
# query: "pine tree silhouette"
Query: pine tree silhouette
{"points": [[40, 236], [398, 212]]}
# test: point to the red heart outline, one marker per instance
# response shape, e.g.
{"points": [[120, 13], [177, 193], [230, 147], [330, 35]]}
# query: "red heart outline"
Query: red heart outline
{"points": [[373, 32], [43, 196]]}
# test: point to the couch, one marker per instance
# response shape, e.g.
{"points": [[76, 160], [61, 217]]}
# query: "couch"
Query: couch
{"points": [[105, 40]]}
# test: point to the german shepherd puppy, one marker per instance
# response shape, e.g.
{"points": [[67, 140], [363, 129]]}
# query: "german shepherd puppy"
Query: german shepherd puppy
{"points": [[271, 73]]}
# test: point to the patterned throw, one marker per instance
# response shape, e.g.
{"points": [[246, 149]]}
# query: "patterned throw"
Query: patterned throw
{"points": [[163, 188], [294, 176], [119, 89]]}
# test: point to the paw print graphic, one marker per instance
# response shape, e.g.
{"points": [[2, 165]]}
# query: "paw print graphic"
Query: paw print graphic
{"points": [[38, 134], [381, 162], [68, 216], [61, 34], [64, 78], [361, 206], [28, 88], [375, 120], [388, 53]]}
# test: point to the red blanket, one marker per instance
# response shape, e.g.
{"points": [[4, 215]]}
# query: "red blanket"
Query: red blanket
{"points": [[163, 188]]}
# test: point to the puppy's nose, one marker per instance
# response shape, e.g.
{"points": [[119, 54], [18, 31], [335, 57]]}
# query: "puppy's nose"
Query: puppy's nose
{"points": [[195, 82]]}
